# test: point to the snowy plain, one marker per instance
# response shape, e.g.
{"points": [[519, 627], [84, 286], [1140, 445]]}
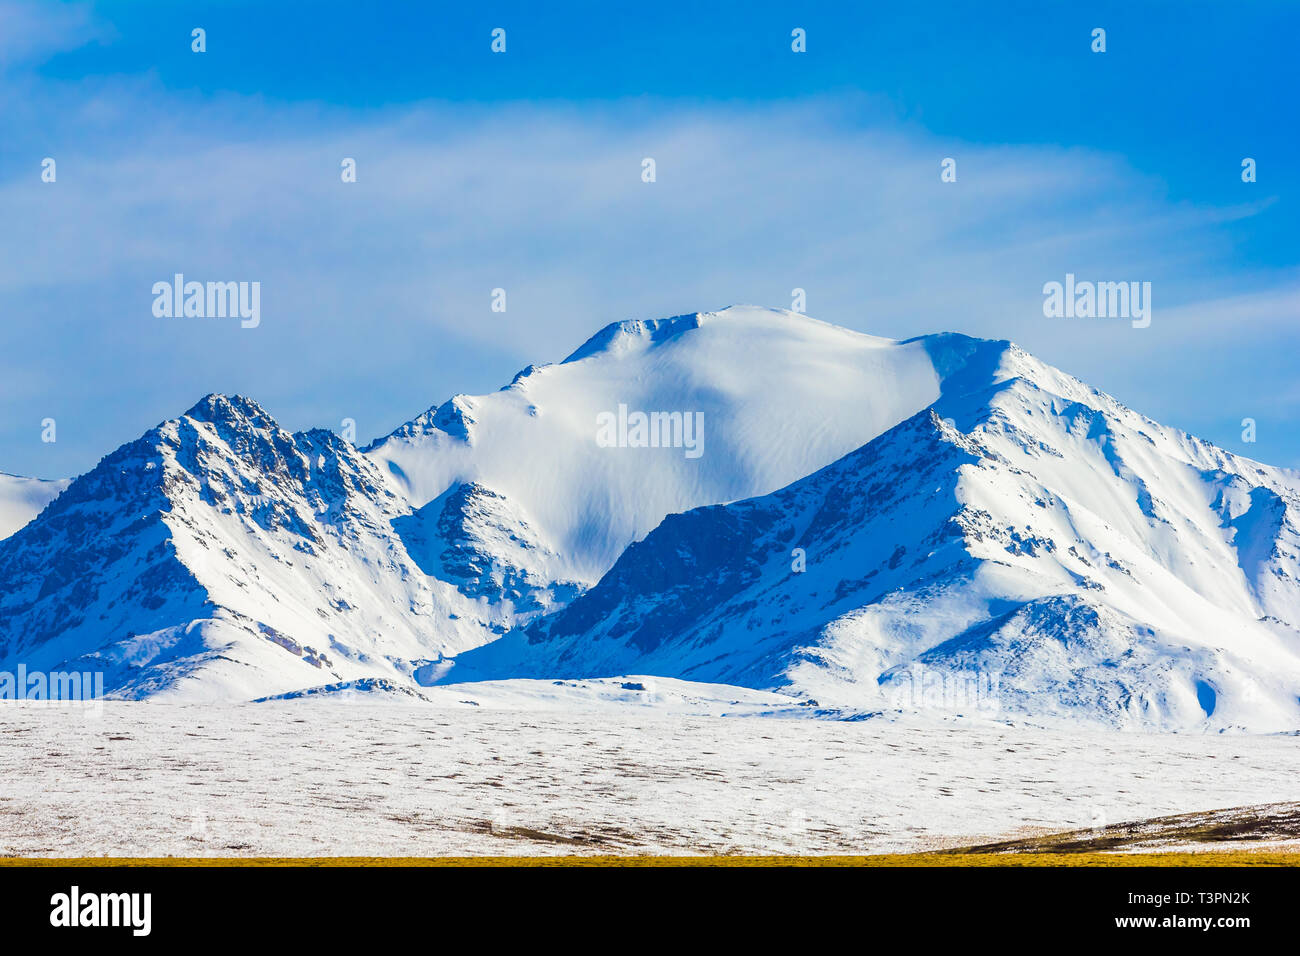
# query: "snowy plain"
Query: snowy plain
{"points": [[433, 616], [330, 778]]}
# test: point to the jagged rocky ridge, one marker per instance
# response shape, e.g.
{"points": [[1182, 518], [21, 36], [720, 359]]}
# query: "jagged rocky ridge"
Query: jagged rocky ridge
{"points": [[219, 556], [868, 515]]}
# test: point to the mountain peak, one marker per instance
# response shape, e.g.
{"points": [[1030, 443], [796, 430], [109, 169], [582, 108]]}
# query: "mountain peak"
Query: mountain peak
{"points": [[218, 408], [619, 336], [623, 336], [859, 505], [453, 417]]}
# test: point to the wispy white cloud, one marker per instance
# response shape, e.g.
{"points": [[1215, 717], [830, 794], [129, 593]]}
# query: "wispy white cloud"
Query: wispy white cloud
{"points": [[376, 294], [32, 30]]}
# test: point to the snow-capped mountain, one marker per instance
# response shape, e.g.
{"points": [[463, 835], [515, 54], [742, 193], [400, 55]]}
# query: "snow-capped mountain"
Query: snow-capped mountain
{"points": [[219, 555], [1026, 545], [22, 499], [748, 497], [778, 394]]}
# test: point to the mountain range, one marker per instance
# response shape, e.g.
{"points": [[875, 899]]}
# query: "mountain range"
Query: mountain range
{"points": [[867, 525]]}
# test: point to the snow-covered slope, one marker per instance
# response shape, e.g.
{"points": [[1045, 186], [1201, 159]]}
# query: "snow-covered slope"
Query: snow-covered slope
{"points": [[942, 523], [221, 556], [1027, 545], [22, 499], [780, 396]]}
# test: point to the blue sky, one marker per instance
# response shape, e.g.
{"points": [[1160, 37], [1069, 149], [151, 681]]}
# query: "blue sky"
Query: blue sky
{"points": [[522, 171]]}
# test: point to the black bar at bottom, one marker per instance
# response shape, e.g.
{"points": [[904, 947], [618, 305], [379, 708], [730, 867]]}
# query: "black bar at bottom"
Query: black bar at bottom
{"points": [[666, 905]]}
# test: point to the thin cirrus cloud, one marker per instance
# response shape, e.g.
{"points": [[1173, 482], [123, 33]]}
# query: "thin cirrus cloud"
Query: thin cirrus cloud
{"points": [[30, 32], [376, 294]]}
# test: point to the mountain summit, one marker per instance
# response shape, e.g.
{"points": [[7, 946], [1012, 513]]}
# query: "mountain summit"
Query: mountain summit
{"points": [[1025, 545], [867, 521]]}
